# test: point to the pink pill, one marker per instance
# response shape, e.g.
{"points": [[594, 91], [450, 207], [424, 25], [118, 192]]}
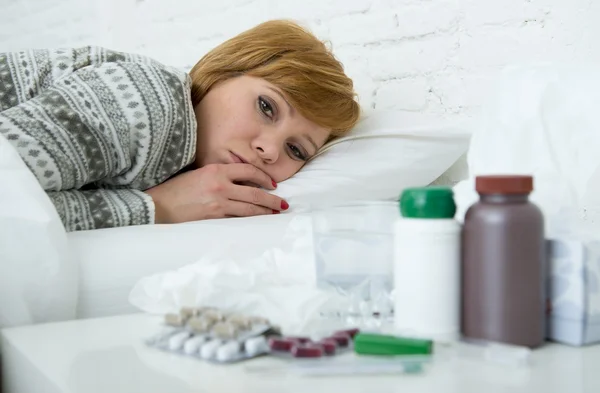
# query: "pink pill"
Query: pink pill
{"points": [[307, 351], [329, 345], [342, 339], [349, 332], [281, 344]]}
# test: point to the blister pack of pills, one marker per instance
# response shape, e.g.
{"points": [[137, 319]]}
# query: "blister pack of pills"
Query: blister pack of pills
{"points": [[211, 335], [304, 347]]}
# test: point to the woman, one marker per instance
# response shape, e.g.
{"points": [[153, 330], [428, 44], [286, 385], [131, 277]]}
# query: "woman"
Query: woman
{"points": [[119, 139]]}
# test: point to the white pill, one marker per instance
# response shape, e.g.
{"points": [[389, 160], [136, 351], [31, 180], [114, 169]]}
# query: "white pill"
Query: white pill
{"points": [[209, 350], [177, 340], [228, 351], [160, 338], [193, 345], [256, 345]]}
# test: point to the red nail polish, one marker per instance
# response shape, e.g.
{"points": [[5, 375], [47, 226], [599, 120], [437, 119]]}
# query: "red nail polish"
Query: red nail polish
{"points": [[284, 205], [276, 212], [274, 184]]}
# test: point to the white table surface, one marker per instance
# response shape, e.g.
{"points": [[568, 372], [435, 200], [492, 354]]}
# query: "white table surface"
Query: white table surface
{"points": [[107, 355]]}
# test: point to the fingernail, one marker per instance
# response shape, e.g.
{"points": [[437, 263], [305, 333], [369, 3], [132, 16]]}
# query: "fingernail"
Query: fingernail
{"points": [[284, 205], [276, 212], [274, 184]]}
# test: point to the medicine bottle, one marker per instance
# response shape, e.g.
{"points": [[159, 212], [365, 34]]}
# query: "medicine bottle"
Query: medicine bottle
{"points": [[427, 265], [503, 254]]}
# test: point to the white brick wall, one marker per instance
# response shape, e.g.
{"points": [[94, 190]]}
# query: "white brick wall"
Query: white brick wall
{"points": [[431, 59]]}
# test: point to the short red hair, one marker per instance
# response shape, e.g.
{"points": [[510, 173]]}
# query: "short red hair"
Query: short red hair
{"points": [[291, 58]]}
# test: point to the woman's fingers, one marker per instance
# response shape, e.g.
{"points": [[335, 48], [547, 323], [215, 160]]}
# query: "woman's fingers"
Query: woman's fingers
{"points": [[249, 173], [256, 196], [246, 173], [244, 209], [211, 192]]}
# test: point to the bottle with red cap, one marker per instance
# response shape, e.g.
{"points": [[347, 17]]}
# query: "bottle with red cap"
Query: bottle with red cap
{"points": [[503, 264]]}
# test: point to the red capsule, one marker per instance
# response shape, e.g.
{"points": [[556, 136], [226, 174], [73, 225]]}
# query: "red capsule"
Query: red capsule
{"points": [[280, 344], [342, 339], [307, 351], [300, 340], [329, 346], [349, 332]]}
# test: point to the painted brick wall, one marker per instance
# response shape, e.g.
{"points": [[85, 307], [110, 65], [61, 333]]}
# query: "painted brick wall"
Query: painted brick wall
{"points": [[430, 59]]}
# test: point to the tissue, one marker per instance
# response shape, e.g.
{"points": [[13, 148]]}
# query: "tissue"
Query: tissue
{"points": [[542, 121], [279, 285]]}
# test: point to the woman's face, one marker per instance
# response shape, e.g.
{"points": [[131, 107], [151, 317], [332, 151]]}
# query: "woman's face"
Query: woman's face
{"points": [[247, 119]]}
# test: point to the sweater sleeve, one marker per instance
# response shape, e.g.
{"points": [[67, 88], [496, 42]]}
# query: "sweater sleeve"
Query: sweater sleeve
{"points": [[25, 74], [102, 208], [98, 136]]}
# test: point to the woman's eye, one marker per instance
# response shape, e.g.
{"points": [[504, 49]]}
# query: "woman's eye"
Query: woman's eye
{"points": [[297, 152], [265, 107]]}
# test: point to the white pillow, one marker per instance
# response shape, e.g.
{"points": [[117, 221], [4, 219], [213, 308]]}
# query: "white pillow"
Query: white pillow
{"points": [[38, 277], [376, 161]]}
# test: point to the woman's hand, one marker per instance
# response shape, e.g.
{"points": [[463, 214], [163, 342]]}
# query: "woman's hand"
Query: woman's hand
{"points": [[214, 191]]}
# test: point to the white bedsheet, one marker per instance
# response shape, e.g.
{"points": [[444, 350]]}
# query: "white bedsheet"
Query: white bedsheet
{"points": [[111, 261]]}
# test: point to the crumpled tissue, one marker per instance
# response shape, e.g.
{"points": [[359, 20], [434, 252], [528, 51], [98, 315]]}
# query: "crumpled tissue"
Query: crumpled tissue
{"points": [[543, 121], [279, 285]]}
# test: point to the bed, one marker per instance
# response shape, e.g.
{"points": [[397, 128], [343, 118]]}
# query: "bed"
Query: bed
{"points": [[47, 274]]}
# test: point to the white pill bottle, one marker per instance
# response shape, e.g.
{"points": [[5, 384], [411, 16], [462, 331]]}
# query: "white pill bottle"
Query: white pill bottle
{"points": [[427, 265]]}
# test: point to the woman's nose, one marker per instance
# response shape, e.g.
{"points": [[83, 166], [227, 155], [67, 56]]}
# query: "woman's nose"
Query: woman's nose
{"points": [[268, 149]]}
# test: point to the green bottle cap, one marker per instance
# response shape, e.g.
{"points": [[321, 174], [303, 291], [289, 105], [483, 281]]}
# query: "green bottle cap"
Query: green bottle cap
{"points": [[379, 344], [427, 202]]}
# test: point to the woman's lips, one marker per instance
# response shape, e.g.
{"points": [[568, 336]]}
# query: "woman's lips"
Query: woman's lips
{"points": [[237, 159]]}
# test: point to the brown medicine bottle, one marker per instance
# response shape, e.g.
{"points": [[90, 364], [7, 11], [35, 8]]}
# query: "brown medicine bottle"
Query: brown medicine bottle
{"points": [[503, 273]]}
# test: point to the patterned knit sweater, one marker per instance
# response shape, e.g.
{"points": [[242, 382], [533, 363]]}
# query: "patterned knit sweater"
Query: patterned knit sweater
{"points": [[96, 127]]}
